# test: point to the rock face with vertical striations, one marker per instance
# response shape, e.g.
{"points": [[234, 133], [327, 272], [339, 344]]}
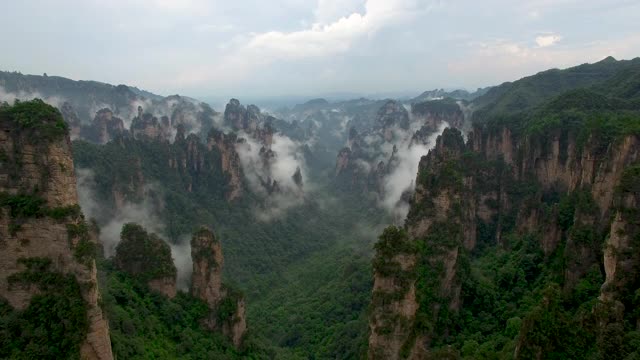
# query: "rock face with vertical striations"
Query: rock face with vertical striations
{"points": [[42, 230], [229, 161], [227, 306], [105, 127], [448, 216], [531, 225], [147, 126], [206, 278], [374, 153], [433, 113]]}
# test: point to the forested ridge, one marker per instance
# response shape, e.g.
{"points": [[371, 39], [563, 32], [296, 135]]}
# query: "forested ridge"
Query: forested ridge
{"points": [[521, 238], [521, 241]]}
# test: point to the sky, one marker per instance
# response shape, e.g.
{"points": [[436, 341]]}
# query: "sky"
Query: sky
{"points": [[305, 47]]}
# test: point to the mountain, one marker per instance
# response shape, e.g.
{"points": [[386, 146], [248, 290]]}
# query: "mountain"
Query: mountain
{"points": [[519, 205], [275, 217], [437, 94], [521, 241], [55, 300], [528, 92], [47, 263], [98, 112], [380, 158]]}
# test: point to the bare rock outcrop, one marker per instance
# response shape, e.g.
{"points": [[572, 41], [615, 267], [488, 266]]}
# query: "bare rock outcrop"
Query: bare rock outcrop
{"points": [[227, 305], [432, 113], [392, 115], [206, 278], [229, 161], [105, 127], [147, 126]]}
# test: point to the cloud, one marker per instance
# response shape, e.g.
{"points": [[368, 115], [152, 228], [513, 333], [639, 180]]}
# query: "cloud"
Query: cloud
{"points": [[321, 39], [280, 168], [144, 214], [403, 174], [547, 40], [179, 5], [330, 10], [260, 48], [324, 39], [499, 60], [10, 97], [213, 28]]}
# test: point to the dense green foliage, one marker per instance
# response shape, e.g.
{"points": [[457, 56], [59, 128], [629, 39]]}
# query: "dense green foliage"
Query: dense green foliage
{"points": [[84, 249], [531, 292], [508, 288], [527, 93], [145, 324], [281, 265], [511, 294], [318, 307], [143, 254], [595, 103], [55, 322], [23, 206], [37, 115]]}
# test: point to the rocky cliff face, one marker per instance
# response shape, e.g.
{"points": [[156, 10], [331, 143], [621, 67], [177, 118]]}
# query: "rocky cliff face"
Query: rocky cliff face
{"points": [[70, 115], [575, 195], [105, 127], [229, 161], [250, 120], [227, 307], [147, 126], [373, 153], [433, 113], [206, 279], [40, 220], [147, 258], [392, 115]]}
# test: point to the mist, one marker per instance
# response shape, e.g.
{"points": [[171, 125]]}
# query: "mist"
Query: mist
{"points": [[280, 168], [144, 214], [403, 174], [11, 97]]}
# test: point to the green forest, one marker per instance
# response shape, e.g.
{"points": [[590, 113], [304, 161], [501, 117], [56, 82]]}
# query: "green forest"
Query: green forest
{"points": [[506, 251]]}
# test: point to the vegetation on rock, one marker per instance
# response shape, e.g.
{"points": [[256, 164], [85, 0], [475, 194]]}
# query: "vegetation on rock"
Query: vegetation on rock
{"points": [[54, 324], [37, 115]]}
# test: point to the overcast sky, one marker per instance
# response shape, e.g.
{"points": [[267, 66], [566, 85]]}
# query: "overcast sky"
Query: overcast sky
{"points": [[305, 47]]}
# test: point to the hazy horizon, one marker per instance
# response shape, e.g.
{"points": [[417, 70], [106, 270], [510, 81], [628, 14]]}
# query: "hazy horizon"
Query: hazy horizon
{"points": [[296, 48]]}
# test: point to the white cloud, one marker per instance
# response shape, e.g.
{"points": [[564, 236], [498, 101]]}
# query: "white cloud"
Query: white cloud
{"points": [[319, 40], [506, 60], [10, 97], [144, 213], [186, 6], [547, 40], [335, 37], [213, 28], [402, 176], [280, 168], [330, 10], [251, 47]]}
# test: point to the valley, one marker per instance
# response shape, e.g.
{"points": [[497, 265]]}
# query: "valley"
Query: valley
{"points": [[458, 225]]}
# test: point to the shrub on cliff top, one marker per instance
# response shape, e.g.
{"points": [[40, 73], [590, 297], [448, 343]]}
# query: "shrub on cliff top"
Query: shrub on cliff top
{"points": [[36, 114], [144, 255]]}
